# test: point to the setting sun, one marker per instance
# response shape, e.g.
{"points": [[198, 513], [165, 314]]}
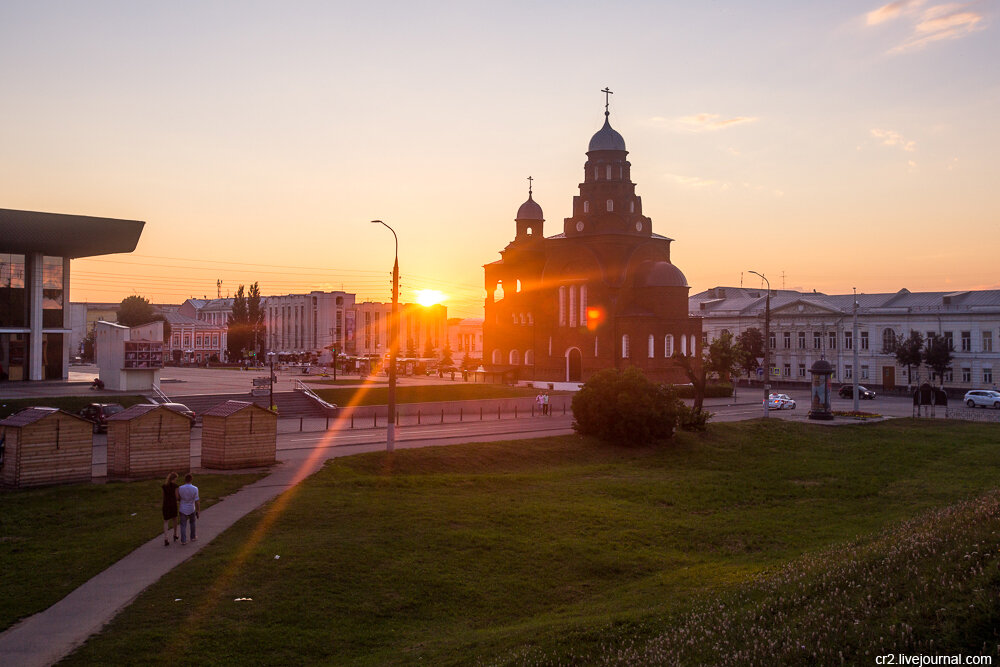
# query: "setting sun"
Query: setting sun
{"points": [[429, 297]]}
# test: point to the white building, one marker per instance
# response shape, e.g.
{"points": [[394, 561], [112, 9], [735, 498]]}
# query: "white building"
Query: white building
{"points": [[806, 326], [309, 323], [465, 337], [419, 326]]}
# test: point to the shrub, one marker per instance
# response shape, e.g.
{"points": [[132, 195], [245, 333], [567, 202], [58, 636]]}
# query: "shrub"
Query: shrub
{"points": [[690, 419], [625, 407]]}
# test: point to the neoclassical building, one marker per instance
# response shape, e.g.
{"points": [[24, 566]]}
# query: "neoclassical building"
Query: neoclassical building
{"points": [[602, 293]]}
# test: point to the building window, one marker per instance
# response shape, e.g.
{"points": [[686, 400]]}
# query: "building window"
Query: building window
{"points": [[529, 357], [888, 341], [864, 340], [694, 349], [772, 340], [832, 340], [197, 340], [802, 370], [595, 346], [177, 340], [864, 372], [802, 340], [631, 206], [949, 338], [611, 205], [586, 207], [787, 371], [187, 340], [848, 340], [668, 345], [684, 347], [215, 340], [817, 340], [574, 293], [966, 341], [987, 341], [651, 345], [496, 356], [562, 305], [625, 347], [607, 172], [987, 376], [966, 375], [582, 289], [848, 372], [786, 339], [515, 358]]}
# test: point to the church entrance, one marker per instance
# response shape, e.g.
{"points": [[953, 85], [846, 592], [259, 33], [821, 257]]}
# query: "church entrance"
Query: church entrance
{"points": [[574, 365]]}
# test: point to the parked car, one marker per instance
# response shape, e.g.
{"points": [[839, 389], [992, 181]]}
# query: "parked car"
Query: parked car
{"points": [[983, 398], [780, 402], [98, 413], [847, 391], [181, 408]]}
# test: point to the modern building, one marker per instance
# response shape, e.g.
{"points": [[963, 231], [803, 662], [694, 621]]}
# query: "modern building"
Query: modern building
{"points": [[35, 253], [311, 324], [807, 326], [603, 293]]}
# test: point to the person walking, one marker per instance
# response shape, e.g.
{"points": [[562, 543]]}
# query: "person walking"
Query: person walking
{"points": [[545, 404], [169, 507], [538, 402], [189, 506]]}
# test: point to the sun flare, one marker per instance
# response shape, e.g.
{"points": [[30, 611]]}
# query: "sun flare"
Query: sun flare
{"points": [[429, 297]]}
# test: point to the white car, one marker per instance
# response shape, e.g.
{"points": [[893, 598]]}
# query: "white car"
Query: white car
{"points": [[780, 402], [983, 398]]}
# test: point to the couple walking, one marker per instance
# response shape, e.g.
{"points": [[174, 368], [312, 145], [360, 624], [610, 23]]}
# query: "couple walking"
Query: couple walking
{"points": [[542, 401], [183, 500]]}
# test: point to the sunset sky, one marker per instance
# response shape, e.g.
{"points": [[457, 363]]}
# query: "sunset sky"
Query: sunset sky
{"points": [[828, 145]]}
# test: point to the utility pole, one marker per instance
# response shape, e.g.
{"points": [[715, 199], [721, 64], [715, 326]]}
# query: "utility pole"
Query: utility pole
{"points": [[767, 342], [390, 432], [854, 343]]}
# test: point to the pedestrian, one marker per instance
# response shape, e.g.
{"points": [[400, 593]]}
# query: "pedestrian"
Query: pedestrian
{"points": [[189, 506], [169, 507], [545, 404], [540, 403]]}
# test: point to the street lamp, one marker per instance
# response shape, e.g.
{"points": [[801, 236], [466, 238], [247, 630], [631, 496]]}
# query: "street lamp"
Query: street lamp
{"points": [[767, 341], [270, 381], [390, 431]]}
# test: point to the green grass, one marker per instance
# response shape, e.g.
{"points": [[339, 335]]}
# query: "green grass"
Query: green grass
{"points": [[379, 395], [53, 539], [541, 550], [71, 404]]}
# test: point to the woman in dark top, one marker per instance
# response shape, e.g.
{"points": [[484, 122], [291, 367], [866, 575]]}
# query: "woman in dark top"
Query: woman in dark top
{"points": [[169, 507]]}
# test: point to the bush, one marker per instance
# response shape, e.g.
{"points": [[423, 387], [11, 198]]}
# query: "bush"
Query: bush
{"points": [[625, 407], [690, 419]]}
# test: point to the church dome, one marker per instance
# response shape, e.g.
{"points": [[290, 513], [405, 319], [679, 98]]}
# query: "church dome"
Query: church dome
{"points": [[530, 210], [659, 274], [606, 139]]}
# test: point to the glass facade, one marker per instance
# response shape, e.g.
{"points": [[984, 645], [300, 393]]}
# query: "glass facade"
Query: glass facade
{"points": [[13, 295], [52, 292]]}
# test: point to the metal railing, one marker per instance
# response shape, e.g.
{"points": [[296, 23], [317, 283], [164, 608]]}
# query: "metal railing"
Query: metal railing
{"points": [[163, 398], [301, 386]]}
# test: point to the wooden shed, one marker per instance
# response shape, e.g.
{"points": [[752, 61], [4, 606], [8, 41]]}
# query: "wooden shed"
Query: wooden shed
{"points": [[238, 434], [45, 446], [148, 440]]}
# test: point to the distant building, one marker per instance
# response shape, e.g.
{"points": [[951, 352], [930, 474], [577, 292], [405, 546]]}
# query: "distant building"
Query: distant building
{"points": [[309, 324], [465, 338], [195, 341], [603, 293], [806, 326], [419, 326], [35, 253]]}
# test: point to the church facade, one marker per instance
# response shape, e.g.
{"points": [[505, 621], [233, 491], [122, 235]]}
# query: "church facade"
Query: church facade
{"points": [[602, 293]]}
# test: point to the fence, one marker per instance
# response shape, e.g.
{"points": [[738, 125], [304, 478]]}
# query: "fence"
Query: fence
{"points": [[973, 414]]}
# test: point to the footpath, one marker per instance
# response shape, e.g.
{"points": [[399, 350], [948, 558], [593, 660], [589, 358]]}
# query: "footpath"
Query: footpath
{"points": [[50, 635]]}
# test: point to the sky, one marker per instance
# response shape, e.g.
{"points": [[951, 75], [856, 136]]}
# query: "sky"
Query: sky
{"points": [[829, 146]]}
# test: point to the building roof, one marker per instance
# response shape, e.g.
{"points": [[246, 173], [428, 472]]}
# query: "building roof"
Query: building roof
{"points": [[133, 411], [530, 210], [62, 235], [232, 407], [606, 139], [29, 416]]}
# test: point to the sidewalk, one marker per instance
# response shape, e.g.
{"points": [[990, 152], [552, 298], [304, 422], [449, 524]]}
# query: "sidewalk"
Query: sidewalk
{"points": [[50, 635]]}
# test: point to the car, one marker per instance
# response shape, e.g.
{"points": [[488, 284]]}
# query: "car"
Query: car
{"points": [[181, 408], [847, 391], [780, 402], [98, 413], [983, 398]]}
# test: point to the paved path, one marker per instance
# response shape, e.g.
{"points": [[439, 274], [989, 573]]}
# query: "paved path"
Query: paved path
{"points": [[48, 636]]}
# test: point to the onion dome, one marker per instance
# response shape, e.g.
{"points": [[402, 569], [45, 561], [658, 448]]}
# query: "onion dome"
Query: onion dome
{"points": [[659, 274], [606, 139], [530, 210]]}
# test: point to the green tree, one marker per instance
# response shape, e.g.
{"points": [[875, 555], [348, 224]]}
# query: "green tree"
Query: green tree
{"points": [[908, 352], [238, 324], [724, 356], [625, 407], [135, 310], [697, 372], [937, 355], [446, 359], [256, 327], [751, 347]]}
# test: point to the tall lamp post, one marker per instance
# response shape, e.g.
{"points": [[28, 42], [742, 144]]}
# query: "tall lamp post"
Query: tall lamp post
{"points": [[767, 341], [390, 430]]}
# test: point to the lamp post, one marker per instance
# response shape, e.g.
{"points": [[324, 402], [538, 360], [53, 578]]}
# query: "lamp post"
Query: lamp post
{"points": [[767, 341], [270, 381], [390, 430]]}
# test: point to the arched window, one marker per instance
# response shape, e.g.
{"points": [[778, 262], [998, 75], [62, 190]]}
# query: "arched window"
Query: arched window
{"points": [[684, 345], [607, 172], [668, 345], [693, 347], [529, 358], [595, 346], [625, 346], [889, 341], [531, 320], [574, 293], [583, 304], [562, 305], [515, 358], [518, 289], [586, 207], [651, 345], [611, 205], [631, 206], [496, 356], [498, 291]]}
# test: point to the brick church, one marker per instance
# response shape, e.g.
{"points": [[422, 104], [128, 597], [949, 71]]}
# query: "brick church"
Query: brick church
{"points": [[603, 293]]}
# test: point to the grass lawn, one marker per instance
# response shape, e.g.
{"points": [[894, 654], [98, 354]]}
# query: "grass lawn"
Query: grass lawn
{"points": [[379, 395], [564, 550], [53, 539], [71, 404]]}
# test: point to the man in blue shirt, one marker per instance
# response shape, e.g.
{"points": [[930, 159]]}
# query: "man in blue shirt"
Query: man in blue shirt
{"points": [[189, 507]]}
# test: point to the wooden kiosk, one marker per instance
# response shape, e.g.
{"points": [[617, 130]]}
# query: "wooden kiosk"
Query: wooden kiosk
{"points": [[238, 434], [45, 446], [148, 440]]}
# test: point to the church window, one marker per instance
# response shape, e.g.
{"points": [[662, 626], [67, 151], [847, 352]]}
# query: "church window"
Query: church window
{"points": [[518, 285], [625, 346], [621, 172], [515, 358], [550, 346], [529, 357], [562, 305], [693, 348], [498, 291], [496, 356], [651, 352], [611, 205], [608, 172], [684, 346], [583, 304], [631, 206], [595, 173], [668, 345], [586, 207], [595, 346], [574, 292], [531, 320]]}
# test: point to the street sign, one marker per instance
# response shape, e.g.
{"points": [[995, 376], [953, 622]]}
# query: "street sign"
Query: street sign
{"points": [[760, 372], [775, 371], [261, 382]]}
